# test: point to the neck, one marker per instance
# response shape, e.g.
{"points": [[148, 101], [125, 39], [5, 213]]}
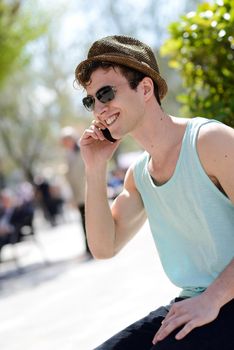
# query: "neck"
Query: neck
{"points": [[153, 133], [159, 133]]}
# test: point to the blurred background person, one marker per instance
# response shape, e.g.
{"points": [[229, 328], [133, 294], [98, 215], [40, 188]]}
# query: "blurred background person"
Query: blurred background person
{"points": [[49, 199], [16, 214], [75, 174]]}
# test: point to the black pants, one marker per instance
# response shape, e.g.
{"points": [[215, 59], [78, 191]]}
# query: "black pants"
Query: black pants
{"points": [[81, 208], [217, 335]]}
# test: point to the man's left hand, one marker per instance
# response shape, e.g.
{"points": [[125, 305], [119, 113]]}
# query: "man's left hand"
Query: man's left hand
{"points": [[192, 312]]}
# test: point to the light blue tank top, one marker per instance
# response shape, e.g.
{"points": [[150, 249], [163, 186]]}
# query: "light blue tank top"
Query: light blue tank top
{"points": [[192, 222]]}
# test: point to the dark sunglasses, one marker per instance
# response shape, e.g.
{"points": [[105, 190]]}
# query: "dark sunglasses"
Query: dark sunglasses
{"points": [[104, 95]]}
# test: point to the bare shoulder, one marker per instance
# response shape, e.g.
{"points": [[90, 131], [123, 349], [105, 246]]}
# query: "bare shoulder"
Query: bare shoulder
{"points": [[215, 147], [216, 141], [215, 129]]}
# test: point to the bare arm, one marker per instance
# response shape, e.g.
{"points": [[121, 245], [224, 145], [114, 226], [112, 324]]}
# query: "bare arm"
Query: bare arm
{"points": [[128, 212], [108, 229]]}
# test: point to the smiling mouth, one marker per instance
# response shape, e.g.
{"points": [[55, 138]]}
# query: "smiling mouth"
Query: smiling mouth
{"points": [[111, 120]]}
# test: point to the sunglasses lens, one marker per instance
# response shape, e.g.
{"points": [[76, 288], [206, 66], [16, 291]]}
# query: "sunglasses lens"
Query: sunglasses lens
{"points": [[105, 94], [88, 103]]}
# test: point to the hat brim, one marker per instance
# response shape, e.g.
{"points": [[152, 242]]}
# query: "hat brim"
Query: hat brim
{"points": [[131, 63]]}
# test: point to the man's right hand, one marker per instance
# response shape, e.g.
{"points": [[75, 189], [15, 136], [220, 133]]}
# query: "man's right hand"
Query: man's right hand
{"points": [[95, 149]]}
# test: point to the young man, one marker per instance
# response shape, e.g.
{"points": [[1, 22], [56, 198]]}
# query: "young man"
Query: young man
{"points": [[183, 183]]}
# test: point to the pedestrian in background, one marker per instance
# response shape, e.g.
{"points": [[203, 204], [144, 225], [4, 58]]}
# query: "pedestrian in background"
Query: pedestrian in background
{"points": [[75, 174]]}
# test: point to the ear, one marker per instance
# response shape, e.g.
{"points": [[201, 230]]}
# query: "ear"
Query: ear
{"points": [[148, 88]]}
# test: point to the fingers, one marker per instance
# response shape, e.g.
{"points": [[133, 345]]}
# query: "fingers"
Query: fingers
{"points": [[98, 126], [186, 330], [92, 133], [176, 317], [98, 132], [169, 326]]}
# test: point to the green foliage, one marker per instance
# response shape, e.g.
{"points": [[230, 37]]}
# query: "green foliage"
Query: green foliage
{"points": [[201, 47], [17, 29], [25, 135], [21, 133]]}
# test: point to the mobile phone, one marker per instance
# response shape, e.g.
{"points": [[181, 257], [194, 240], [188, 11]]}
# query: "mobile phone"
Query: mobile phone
{"points": [[107, 135]]}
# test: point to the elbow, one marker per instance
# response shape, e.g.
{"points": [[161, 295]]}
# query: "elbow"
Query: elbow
{"points": [[100, 254]]}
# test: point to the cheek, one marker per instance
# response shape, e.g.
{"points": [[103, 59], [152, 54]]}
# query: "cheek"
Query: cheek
{"points": [[134, 100], [138, 107]]}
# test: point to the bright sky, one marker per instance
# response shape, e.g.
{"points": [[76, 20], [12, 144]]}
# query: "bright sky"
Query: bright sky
{"points": [[75, 20]]}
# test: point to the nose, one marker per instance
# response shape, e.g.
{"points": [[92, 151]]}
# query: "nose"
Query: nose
{"points": [[99, 110]]}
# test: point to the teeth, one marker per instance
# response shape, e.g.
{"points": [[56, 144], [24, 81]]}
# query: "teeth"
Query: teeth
{"points": [[111, 120]]}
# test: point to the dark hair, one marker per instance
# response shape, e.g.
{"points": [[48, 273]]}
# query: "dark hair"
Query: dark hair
{"points": [[133, 76]]}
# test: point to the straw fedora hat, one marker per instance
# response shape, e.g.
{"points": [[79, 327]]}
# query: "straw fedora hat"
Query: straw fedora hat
{"points": [[128, 52]]}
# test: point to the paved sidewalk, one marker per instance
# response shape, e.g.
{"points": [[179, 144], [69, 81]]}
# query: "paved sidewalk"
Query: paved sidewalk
{"points": [[73, 304]]}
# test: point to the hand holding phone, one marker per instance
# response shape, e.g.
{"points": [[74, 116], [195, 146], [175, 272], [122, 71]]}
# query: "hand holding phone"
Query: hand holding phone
{"points": [[107, 135]]}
